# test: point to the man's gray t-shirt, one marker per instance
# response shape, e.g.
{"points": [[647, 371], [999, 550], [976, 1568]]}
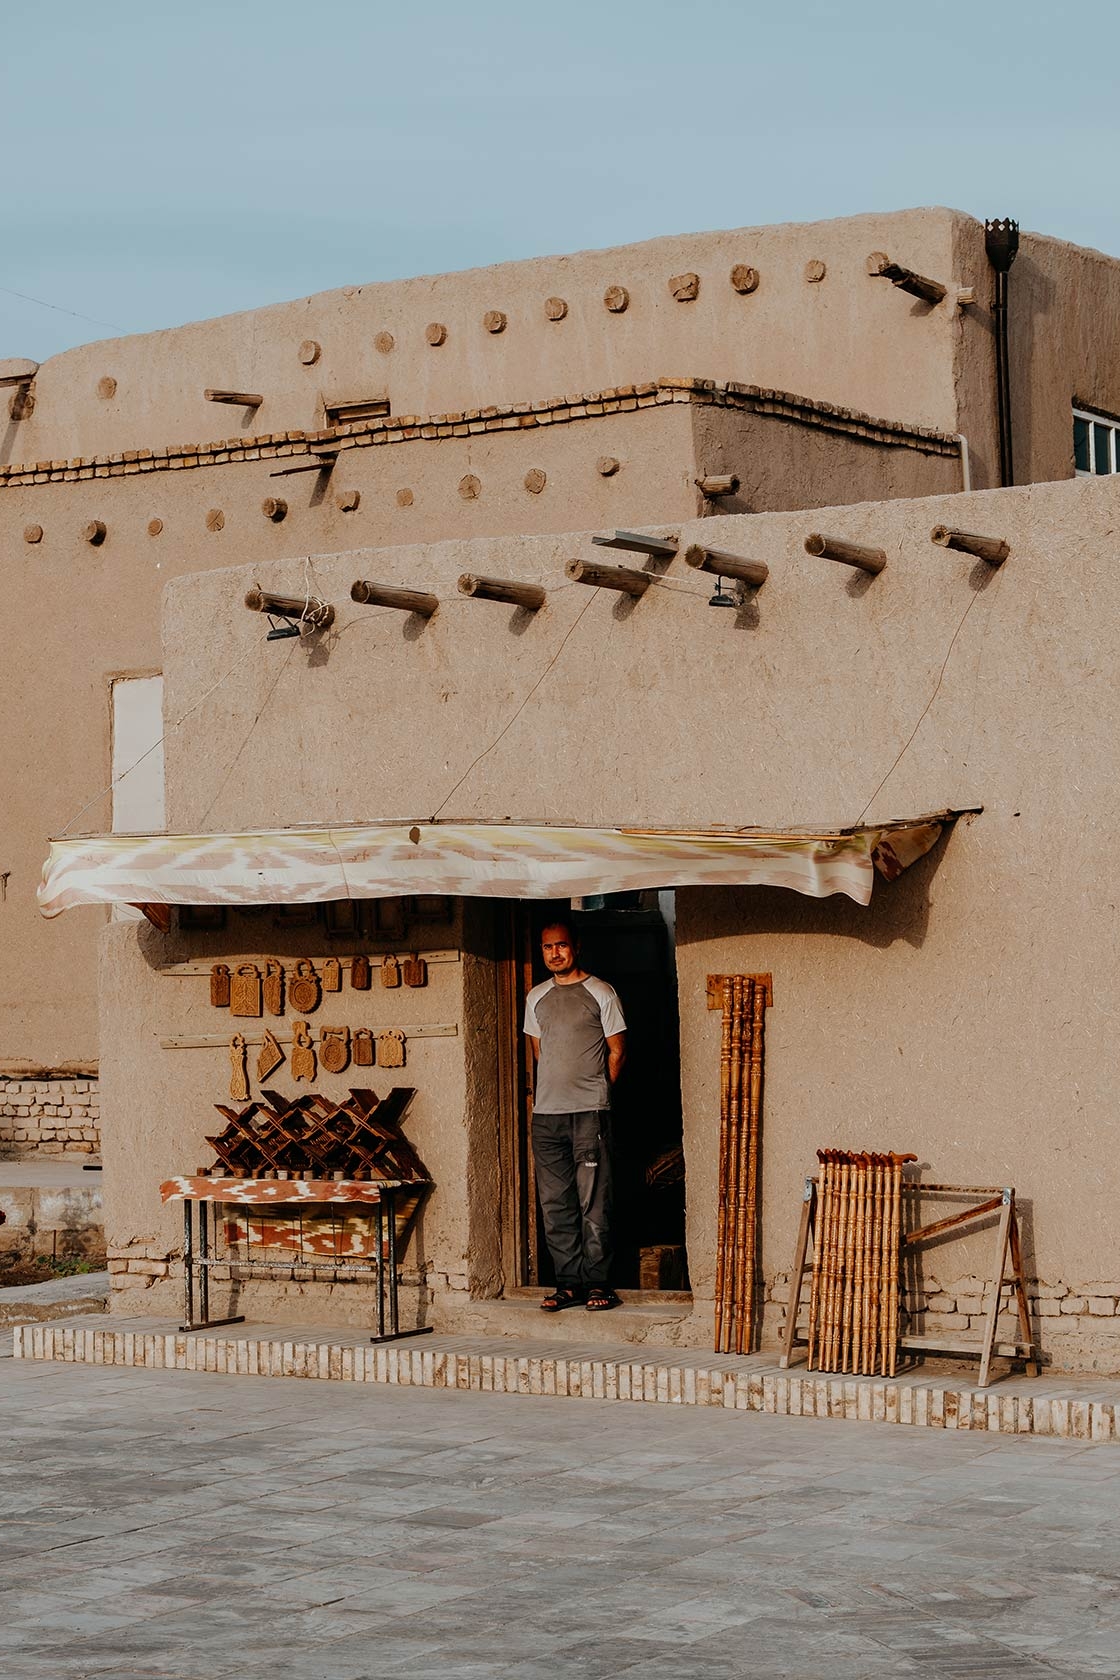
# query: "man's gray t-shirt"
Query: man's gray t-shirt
{"points": [[573, 1023]]}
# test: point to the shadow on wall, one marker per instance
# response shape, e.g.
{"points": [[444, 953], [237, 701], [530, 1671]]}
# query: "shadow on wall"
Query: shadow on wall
{"points": [[1030, 307], [898, 909]]}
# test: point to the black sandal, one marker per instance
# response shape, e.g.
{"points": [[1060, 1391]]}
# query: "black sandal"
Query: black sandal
{"points": [[561, 1298], [601, 1300]]}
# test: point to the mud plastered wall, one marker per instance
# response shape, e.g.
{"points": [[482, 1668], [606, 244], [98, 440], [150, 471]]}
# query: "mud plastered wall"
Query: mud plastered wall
{"points": [[961, 1013], [574, 323]]}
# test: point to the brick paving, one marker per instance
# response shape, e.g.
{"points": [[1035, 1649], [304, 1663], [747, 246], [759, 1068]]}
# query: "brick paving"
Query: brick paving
{"points": [[167, 1525]]}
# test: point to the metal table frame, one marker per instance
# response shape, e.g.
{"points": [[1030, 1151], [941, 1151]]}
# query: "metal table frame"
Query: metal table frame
{"points": [[200, 1247]]}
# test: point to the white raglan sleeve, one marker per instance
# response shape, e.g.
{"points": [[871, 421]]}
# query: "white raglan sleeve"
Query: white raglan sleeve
{"points": [[610, 1009]]}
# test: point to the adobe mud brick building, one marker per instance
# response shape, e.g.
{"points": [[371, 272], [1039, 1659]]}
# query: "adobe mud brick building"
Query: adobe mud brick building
{"points": [[709, 390]]}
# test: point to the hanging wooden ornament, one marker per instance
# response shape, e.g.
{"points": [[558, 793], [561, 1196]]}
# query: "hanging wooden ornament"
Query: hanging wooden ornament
{"points": [[303, 1051], [269, 1056], [390, 971], [363, 1047], [334, 1048], [359, 974], [332, 975], [390, 1048], [414, 971], [245, 991], [238, 1078], [273, 987], [219, 986], [303, 990]]}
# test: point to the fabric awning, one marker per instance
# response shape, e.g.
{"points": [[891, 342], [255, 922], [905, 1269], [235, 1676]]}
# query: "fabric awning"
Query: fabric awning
{"points": [[469, 859]]}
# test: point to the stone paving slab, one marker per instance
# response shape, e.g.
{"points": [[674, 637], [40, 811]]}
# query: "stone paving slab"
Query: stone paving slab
{"points": [[49, 1173], [167, 1525], [1066, 1407], [60, 1297]]}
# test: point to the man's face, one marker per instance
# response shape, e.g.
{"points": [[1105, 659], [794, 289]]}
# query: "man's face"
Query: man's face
{"points": [[559, 950]]}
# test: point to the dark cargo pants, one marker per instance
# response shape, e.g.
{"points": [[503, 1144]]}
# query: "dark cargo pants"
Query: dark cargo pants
{"points": [[572, 1157]]}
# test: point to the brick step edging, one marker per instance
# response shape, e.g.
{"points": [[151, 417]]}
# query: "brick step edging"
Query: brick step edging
{"points": [[863, 1400]]}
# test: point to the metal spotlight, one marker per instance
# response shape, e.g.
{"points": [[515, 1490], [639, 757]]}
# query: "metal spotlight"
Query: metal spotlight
{"points": [[280, 632], [720, 599]]}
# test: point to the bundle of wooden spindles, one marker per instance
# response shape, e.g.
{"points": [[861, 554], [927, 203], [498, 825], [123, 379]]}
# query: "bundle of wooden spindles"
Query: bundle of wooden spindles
{"points": [[853, 1309], [744, 1014]]}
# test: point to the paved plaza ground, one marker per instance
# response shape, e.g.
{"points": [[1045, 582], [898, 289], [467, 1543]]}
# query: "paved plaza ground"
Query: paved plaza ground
{"points": [[197, 1526]]}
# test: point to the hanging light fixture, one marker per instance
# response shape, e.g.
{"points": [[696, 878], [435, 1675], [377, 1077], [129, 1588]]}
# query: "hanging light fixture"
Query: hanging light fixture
{"points": [[721, 598]]}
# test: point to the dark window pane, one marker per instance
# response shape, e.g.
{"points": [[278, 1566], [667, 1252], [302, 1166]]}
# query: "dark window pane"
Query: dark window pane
{"points": [[1102, 461], [1080, 443]]}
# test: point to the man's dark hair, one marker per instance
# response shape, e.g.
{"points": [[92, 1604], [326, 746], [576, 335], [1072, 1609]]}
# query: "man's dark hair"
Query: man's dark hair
{"points": [[573, 936]]}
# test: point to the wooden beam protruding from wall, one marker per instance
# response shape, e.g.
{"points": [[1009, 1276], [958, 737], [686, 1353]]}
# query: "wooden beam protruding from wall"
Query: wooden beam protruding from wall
{"points": [[627, 582], [992, 549], [880, 266], [241, 399], [722, 564], [718, 484], [316, 614], [849, 554], [388, 595], [658, 548], [530, 596]]}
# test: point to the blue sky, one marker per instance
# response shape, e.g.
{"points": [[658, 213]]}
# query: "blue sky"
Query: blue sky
{"points": [[165, 163]]}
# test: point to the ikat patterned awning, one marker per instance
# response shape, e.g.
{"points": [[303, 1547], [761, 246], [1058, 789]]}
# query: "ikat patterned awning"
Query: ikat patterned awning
{"points": [[470, 859]]}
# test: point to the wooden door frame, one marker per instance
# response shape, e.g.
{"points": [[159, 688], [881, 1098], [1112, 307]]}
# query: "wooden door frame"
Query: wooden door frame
{"points": [[518, 1199]]}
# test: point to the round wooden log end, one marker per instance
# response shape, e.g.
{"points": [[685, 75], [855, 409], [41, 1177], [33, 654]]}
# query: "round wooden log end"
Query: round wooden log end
{"points": [[607, 465], [215, 520], [494, 321], [555, 308], [469, 487], [405, 498], [535, 480], [32, 533], [155, 526], [814, 543], [347, 500], [815, 271], [695, 555], [274, 508], [107, 387], [435, 333], [877, 262], [467, 585], [616, 299], [309, 352], [940, 536], [384, 342], [685, 287], [744, 278], [95, 532], [573, 569]]}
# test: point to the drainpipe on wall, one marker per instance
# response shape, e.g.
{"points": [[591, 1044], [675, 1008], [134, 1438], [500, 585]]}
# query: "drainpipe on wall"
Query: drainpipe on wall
{"points": [[1001, 242]]}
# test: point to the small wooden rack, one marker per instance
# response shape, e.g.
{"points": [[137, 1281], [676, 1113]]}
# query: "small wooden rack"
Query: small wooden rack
{"points": [[988, 1201], [202, 1251]]}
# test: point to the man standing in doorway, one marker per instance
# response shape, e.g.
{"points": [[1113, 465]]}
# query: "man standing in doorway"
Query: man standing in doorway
{"points": [[576, 1027]]}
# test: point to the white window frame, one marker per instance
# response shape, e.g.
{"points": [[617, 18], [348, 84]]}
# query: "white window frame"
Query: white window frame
{"points": [[1112, 426]]}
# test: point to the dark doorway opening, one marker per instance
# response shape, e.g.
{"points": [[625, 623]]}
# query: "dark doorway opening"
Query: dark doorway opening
{"points": [[626, 939]]}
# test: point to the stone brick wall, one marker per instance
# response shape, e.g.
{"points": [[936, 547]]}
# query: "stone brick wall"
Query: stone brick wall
{"points": [[1077, 1325], [46, 1116], [134, 1266]]}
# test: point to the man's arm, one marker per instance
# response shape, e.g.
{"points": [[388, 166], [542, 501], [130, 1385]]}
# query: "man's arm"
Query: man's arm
{"points": [[616, 1055], [536, 1043]]}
